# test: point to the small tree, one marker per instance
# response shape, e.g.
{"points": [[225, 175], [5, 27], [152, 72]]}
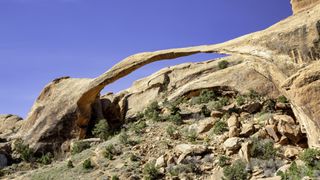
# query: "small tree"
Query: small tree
{"points": [[101, 130]]}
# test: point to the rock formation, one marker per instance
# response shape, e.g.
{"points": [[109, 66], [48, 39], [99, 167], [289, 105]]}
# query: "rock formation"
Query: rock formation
{"points": [[300, 5], [64, 109]]}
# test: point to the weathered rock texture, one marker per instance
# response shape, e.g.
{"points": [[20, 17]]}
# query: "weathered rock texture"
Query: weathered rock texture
{"points": [[269, 58], [300, 5]]}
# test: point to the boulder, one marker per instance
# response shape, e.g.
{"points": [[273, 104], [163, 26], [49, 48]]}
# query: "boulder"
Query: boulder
{"points": [[216, 114], [233, 132], [233, 121], [291, 152], [232, 144], [190, 149], [247, 130], [272, 132], [160, 162], [203, 125], [252, 108], [9, 125], [244, 152]]}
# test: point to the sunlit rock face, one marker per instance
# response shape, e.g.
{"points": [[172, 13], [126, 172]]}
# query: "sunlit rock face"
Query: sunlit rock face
{"points": [[299, 5]]}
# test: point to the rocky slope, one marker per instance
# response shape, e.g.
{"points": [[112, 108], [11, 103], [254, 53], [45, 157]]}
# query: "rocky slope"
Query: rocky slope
{"points": [[281, 61]]}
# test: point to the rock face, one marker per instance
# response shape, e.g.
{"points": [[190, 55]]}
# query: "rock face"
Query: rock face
{"points": [[279, 60], [9, 124], [300, 5]]}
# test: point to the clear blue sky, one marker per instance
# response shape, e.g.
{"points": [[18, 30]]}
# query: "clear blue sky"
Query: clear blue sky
{"points": [[44, 39]]}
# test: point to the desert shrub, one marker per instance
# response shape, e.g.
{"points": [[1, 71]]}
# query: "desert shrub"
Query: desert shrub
{"points": [[204, 97], [176, 119], [171, 131], [205, 111], [24, 151], [124, 137], [269, 166], [220, 103], [101, 130], [134, 158], [114, 177], [223, 64], [237, 171], [269, 106], [46, 159], [150, 171], [110, 152], [282, 99], [139, 127], [182, 168], [223, 161], [311, 157], [220, 127], [191, 135], [296, 172], [262, 149], [240, 100], [253, 95], [78, 147], [70, 164], [153, 112], [87, 164]]}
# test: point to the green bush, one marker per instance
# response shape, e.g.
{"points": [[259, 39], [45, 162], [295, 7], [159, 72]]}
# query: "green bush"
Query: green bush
{"points": [[153, 112], [171, 131], [254, 95], [282, 99], [78, 147], [220, 103], [101, 130], [223, 161], [204, 97], [205, 111], [109, 152], [311, 157], [70, 164], [24, 151], [237, 171], [176, 119], [87, 164], [115, 178], [296, 172], [139, 127], [220, 127], [223, 64], [191, 135], [262, 149], [150, 171], [46, 159], [124, 137], [240, 100]]}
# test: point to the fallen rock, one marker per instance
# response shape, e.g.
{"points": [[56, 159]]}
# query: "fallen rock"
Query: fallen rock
{"points": [[233, 121], [272, 131], [247, 130], [188, 149], [244, 152], [234, 132], [232, 144], [160, 162], [203, 125], [291, 152], [216, 114], [252, 108], [284, 119]]}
